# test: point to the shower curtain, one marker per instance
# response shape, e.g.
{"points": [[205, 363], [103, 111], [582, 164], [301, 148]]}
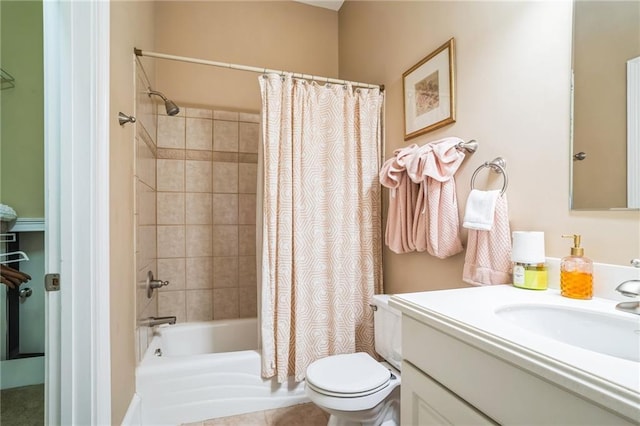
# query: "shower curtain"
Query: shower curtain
{"points": [[321, 253]]}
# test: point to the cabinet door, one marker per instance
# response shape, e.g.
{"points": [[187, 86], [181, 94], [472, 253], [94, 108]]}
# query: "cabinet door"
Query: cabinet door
{"points": [[426, 402]]}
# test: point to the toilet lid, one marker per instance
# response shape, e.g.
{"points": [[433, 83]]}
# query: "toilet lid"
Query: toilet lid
{"points": [[347, 374]]}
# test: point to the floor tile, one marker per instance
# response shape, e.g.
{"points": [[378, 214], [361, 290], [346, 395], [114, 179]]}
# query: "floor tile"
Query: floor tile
{"points": [[297, 415]]}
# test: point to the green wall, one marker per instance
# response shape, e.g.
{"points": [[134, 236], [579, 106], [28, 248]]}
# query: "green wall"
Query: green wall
{"points": [[22, 113]]}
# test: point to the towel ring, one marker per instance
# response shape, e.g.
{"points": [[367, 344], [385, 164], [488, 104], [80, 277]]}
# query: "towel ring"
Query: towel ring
{"points": [[497, 165]]}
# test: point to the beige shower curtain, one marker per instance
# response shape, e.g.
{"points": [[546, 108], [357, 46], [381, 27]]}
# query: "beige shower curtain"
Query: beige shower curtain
{"points": [[321, 260]]}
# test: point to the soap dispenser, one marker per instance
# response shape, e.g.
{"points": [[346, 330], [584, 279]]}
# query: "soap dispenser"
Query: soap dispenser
{"points": [[576, 272]]}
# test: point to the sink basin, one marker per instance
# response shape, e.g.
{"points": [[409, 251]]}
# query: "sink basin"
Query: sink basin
{"points": [[611, 335]]}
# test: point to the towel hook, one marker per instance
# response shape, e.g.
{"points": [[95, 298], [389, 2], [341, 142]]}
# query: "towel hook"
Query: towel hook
{"points": [[498, 165]]}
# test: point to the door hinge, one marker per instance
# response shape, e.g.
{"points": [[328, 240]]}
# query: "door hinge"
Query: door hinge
{"points": [[52, 282]]}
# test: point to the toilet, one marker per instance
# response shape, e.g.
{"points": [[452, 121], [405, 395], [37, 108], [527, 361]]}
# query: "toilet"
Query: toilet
{"points": [[355, 389]]}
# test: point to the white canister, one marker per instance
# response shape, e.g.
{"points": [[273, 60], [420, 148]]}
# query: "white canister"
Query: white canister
{"points": [[528, 257]]}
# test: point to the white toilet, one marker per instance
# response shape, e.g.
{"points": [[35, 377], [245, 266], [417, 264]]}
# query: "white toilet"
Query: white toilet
{"points": [[355, 388]]}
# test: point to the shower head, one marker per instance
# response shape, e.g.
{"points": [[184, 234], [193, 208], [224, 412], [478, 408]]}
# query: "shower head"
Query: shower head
{"points": [[169, 105]]}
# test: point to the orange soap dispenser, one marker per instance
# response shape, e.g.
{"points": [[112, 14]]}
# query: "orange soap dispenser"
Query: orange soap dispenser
{"points": [[576, 272]]}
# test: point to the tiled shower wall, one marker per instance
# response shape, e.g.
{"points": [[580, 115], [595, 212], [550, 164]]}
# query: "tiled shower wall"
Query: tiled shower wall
{"points": [[206, 214], [145, 205]]}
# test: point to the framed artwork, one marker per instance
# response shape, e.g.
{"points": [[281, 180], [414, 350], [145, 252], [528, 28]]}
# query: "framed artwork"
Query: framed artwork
{"points": [[429, 95]]}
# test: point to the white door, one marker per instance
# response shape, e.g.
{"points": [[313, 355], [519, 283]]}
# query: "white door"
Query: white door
{"points": [[427, 402], [76, 68]]}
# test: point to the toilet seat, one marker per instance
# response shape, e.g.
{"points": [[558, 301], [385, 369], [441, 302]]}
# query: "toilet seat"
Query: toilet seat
{"points": [[347, 375], [346, 395], [350, 402]]}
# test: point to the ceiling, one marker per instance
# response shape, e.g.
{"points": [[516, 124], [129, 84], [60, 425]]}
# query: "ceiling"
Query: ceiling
{"points": [[327, 4]]}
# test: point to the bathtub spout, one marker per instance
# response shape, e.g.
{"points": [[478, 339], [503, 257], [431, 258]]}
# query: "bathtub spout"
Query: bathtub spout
{"points": [[153, 321]]}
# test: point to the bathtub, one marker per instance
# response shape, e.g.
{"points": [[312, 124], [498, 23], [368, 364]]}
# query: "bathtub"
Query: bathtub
{"points": [[196, 371]]}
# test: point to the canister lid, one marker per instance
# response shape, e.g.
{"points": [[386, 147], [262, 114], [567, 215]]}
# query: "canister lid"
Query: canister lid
{"points": [[528, 247]]}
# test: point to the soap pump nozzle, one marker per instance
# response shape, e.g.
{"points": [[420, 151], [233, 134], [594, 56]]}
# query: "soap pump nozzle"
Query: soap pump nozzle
{"points": [[576, 250]]}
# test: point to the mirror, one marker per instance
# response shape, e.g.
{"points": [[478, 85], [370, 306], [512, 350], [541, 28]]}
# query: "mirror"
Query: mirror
{"points": [[605, 114]]}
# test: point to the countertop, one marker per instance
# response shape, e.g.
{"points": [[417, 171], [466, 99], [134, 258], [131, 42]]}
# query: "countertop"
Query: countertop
{"points": [[468, 314]]}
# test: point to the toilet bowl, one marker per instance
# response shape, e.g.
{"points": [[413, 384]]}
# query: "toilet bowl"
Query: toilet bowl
{"points": [[355, 389]]}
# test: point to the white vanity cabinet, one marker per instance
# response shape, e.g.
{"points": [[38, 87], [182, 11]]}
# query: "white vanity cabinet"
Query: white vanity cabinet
{"points": [[455, 374]]}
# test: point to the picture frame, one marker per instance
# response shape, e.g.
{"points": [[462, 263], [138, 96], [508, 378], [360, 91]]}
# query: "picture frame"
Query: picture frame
{"points": [[429, 92]]}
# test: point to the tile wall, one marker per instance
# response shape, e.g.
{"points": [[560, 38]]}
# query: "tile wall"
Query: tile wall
{"points": [[145, 205], [206, 213]]}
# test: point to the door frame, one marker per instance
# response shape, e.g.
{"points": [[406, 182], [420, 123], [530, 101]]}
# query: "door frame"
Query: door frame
{"points": [[77, 343], [633, 133]]}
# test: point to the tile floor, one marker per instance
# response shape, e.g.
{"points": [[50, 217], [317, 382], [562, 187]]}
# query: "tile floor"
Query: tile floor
{"points": [[296, 415], [23, 406]]}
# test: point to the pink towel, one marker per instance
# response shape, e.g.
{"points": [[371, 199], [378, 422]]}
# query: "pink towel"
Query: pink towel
{"points": [[488, 257], [402, 200], [435, 222]]}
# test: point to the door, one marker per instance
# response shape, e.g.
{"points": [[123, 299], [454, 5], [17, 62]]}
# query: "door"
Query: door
{"points": [[427, 402], [76, 74]]}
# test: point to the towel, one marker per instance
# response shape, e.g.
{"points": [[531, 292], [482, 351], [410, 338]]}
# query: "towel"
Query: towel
{"points": [[7, 214], [480, 210], [436, 223], [488, 257], [402, 200]]}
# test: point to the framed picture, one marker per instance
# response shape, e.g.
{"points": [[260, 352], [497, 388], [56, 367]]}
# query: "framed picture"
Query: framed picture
{"points": [[429, 95]]}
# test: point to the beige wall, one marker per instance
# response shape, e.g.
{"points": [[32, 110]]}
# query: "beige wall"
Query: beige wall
{"points": [[513, 70], [606, 36], [277, 35], [131, 25]]}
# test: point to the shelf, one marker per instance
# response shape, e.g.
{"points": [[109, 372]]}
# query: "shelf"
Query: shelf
{"points": [[28, 224]]}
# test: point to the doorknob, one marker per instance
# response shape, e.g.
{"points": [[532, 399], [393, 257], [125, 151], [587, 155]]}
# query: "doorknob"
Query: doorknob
{"points": [[24, 293], [579, 156]]}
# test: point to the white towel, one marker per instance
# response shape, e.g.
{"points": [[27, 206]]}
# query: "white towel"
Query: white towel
{"points": [[7, 214], [480, 210]]}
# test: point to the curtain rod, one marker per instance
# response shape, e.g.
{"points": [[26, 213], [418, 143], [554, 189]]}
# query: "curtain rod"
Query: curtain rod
{"points": [[140, 52]]}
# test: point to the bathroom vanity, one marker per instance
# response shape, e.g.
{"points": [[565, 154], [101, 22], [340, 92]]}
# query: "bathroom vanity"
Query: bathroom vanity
{"points": [[502, 355]]}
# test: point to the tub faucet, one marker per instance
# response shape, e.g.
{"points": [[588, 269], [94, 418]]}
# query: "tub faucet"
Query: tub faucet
{"points": [[153, 321], [629, 288]]}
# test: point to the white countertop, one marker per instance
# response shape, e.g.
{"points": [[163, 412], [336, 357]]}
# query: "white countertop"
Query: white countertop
{"points": [[469, 315]]}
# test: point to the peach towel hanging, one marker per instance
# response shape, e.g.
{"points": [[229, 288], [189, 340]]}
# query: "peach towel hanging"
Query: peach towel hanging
{"points": [[436, 225], [402, 200], [488, 257]]}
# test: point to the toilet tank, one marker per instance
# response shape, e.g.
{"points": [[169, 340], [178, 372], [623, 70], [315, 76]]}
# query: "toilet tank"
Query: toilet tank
{"points": [[387, 324]]}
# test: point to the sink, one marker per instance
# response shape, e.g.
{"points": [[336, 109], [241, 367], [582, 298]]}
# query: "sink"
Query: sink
{"points": [[611, 335]]}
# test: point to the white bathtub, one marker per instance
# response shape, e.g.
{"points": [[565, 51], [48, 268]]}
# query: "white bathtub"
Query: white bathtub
{"points": [[207, 370]]}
